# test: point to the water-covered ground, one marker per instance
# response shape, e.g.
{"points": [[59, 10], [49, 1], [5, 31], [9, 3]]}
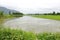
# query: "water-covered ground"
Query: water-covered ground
{"points": [[29, 23]]}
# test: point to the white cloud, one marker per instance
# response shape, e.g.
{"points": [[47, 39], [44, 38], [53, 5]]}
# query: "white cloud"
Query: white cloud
{"points": [[30, 4]]}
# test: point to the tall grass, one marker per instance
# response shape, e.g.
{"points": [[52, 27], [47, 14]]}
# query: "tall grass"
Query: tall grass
{"points": [[48, 36], [15, 34]]}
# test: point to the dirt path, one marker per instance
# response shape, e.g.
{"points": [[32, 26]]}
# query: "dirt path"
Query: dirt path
{"points": [[28, 23]]}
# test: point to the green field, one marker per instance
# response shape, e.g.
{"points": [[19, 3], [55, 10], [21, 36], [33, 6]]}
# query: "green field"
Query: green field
{"points": [[54, 17]]}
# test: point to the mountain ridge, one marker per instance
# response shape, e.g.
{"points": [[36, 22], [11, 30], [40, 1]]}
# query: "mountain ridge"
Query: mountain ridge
{"points": [[6, 10]]}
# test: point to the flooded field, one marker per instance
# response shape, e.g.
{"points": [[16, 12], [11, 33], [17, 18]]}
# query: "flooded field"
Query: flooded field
{"points": [[29, 23]]}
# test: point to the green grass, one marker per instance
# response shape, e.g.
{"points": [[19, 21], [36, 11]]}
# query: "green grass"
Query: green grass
{"points": [[3, 18], [54, 17], [46, 36], [15, 34]]}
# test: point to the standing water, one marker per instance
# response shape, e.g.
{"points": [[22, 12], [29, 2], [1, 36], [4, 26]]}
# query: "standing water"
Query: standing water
{"points": [[29, 23]]}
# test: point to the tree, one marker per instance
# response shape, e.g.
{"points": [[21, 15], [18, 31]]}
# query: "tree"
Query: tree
{"points": [[58, 13], [53, 13], [1, 13], [9, 12], [17, 14]]}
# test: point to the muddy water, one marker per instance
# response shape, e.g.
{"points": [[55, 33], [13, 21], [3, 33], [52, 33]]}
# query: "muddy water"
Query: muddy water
{"points": [[29, 23]]}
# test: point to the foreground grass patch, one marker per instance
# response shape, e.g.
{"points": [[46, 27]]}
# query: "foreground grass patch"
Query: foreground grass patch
{"points": [[46, 36], [54, 17], [13, 34]]}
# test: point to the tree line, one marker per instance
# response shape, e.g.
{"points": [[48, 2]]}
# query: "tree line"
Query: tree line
{"points": [[53, 13], [11, 14]]}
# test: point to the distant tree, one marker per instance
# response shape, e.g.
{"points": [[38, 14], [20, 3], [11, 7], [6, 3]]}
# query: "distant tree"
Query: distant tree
{"points": [[1, 13], [58, 13], [18, 14], [53, 13], [9, 12]]}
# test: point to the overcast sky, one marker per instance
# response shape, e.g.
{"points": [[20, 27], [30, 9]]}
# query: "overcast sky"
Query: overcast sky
{"points": [[32, 6]]}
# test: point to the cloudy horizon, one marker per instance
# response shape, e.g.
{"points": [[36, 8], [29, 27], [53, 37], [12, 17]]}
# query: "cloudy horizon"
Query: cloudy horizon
{"points": [[32, 6]]}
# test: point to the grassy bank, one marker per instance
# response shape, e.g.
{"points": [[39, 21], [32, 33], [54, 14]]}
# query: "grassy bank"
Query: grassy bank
{"points": [[54, 17], [13, 34], [3, 18]]}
